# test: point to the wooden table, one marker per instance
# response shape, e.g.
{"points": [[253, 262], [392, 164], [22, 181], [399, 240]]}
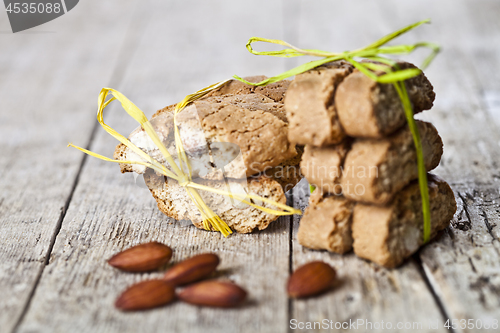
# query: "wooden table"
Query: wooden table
{"points": [[63, 214]]}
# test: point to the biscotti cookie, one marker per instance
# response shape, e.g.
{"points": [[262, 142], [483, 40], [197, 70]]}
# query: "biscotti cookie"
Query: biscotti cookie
{"points": [[375, 170], [323, 166], [369, 109], [275, 91], [223, 137], [326, 224], [310, 106], [174, 201], [389, 234]]}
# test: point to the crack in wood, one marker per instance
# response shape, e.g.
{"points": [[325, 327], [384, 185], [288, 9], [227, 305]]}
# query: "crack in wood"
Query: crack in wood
{"points": [[472, 265], [466, 208], [290, 258], [460, 223], [487, 223], [450, 233], [116, 77], [51, 245], [437, 299]]}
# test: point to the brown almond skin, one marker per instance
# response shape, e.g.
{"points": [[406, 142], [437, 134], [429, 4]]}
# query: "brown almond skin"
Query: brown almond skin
{"points": [[193, 269], [142, 258], [214, 293], [146, 295], [311, 279]]}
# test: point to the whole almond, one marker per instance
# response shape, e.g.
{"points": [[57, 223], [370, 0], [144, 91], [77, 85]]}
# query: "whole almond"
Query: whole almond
{"points": [[146, 295], [142, 258], [214, 293], [311, 279], [192, 269]]}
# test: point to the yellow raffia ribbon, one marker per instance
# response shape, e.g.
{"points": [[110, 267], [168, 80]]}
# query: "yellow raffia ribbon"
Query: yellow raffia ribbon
{"points": [[387, 73], [181, 175]]}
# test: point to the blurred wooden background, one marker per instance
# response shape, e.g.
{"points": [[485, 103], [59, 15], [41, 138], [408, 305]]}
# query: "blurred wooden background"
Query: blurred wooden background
{"points": [[63, 214]]}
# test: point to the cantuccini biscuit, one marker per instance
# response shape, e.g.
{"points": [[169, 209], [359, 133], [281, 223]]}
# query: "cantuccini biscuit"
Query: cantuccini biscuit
{"points": [[310, 106], [323, 166], [375, 170], [173, 201], [389, 234], [326, 224], [369, 109]]}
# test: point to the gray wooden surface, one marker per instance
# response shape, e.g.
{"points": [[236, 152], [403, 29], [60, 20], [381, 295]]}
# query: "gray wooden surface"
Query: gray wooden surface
{"points": [[62, 214]]}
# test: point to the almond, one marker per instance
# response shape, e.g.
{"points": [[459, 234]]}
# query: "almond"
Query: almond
{"points": [[214, 293], [311, 279], [192, 269], [142, 258], [146, 295]]}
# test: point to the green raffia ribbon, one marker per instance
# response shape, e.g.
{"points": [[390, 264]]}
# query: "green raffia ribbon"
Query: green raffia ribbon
{"points": [[384, 70]]}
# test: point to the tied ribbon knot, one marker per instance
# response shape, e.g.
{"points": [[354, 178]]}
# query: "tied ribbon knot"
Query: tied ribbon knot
{"points": [[380, 69], [184, 181]]}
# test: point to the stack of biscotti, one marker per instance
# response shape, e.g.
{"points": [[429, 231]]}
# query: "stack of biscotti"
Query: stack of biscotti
{"points": [[236, 139], [360, 155]]}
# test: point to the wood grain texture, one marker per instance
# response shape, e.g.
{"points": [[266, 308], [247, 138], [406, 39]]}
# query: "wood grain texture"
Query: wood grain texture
{"points": [[463, 265], [47, 90], [109, 212]]}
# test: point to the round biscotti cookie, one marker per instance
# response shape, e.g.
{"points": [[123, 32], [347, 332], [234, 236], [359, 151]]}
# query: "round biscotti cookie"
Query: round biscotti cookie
{"points": [[232, 136]]}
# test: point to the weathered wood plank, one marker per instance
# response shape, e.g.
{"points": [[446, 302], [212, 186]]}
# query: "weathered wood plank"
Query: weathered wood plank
{"points": [[462, 265], [109, 212], [47, 92], [373, 298]]}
